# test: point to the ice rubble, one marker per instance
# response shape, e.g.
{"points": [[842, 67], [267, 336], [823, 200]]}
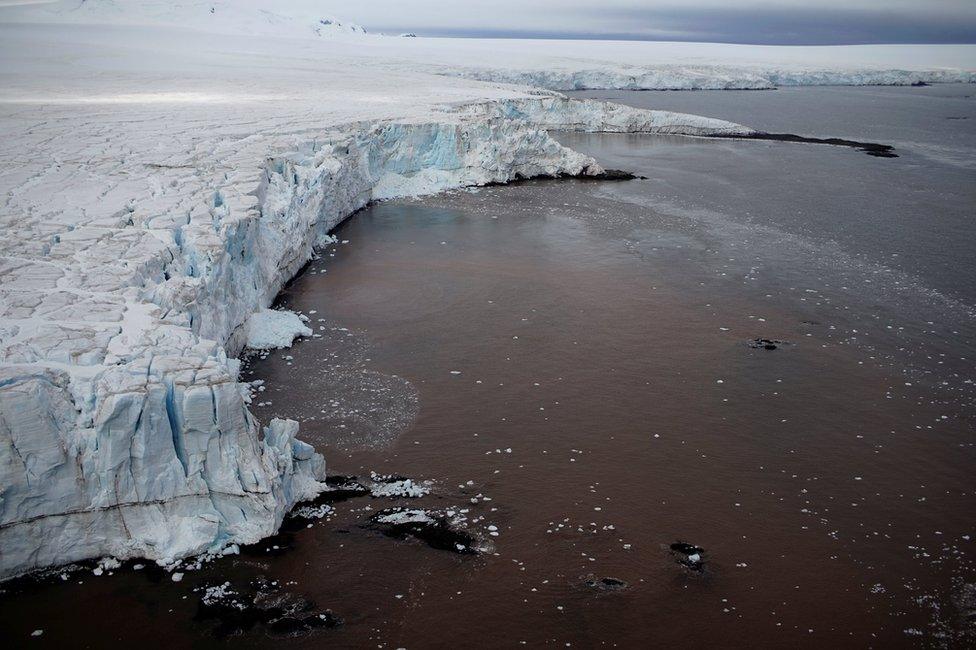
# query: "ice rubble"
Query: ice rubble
{"points": [[268, 329], [123, 429]]}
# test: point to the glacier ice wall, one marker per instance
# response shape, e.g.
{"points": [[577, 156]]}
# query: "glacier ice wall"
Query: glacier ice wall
{"points": [[123, 428], [699, 77]]}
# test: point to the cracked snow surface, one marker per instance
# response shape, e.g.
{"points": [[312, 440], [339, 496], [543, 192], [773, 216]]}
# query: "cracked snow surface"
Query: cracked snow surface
{"points": [[150, 202]]}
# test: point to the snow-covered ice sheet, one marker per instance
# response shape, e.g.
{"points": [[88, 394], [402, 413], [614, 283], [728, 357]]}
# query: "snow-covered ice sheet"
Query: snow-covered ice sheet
{"points": [[158, 186], [552, 64], [639, 65]]}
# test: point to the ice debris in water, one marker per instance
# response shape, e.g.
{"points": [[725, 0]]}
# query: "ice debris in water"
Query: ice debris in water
{"points": [[261, 602], [397, 517], [312, 512], [435, 528], [273, 328], [106, 564], [397, 486]]}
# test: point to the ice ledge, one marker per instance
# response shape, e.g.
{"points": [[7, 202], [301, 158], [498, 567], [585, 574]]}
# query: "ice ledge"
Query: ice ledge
{"points": [[609, 76], [123, 429]]}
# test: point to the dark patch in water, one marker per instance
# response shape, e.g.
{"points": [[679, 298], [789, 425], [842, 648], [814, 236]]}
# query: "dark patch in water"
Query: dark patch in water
{"points": [[964, 604], [610, 175], [388, 478], [79, 571], [870, 148], [585, 175], [604, 584], [433, 529], [341, 488], [263, 602], [689, 555], [765, 344], [277, 544]]}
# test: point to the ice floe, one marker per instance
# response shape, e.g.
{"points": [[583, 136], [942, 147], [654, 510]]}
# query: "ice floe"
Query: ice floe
{"points": [[274, 328]]}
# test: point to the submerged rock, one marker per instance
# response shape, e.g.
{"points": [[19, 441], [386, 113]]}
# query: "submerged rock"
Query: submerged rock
{"points": [[610, 175], [605, 583], [689, 555], [765, 344], [340, 488], [870, 148], [264, 603], [429, 526]]}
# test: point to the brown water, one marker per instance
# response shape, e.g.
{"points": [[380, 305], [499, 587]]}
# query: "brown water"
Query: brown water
{"points": [[578, 353]]}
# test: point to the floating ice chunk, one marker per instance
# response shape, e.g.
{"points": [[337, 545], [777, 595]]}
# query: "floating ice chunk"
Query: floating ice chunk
{"points": [[406, 517], [109, 563], [271, 328], [405, 488], [313, 512]]}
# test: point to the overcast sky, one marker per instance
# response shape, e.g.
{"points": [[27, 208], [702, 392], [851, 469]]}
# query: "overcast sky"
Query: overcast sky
{"points": [[738, 21], [798, 22]]}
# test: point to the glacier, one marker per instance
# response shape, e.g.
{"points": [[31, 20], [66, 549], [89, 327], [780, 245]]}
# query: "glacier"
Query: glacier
{"points": [[152, 202], [124, 429]]}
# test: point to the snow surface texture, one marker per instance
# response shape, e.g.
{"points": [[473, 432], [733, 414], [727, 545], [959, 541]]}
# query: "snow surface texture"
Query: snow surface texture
{"points": [[269, 329], [551, 64], [291, 18], [152, 201], [159, 186]]}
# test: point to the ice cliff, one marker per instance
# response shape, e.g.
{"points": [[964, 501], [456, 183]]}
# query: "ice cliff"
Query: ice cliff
{"points": [[701, 77], [123, 428]]}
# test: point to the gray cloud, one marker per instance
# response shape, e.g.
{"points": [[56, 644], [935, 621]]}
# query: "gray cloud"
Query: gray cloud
{"points": [[747, 21]]}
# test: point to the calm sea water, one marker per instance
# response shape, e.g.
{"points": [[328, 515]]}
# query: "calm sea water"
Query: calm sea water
{"points": [[913, 214], [578, 353]]}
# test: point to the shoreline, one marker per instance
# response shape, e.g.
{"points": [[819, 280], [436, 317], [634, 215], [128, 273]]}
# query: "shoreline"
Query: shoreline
{"points": [[200, 191], [300, 197]]}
